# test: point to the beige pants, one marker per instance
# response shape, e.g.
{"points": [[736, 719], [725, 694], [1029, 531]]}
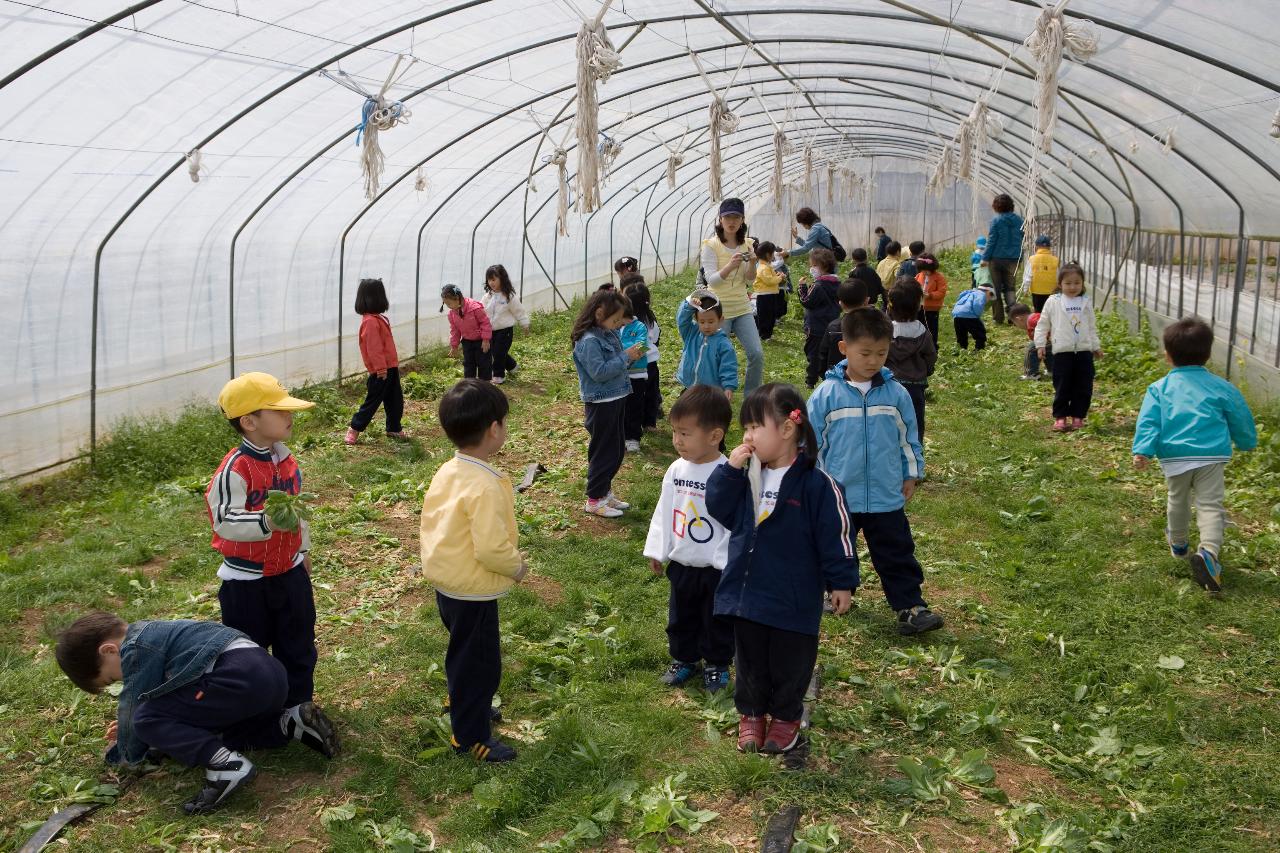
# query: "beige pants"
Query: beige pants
{"points": [[1206, 482]]}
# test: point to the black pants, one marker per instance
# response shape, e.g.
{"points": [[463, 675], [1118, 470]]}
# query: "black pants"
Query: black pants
{"points": [[1072, 384], [652, 397], [694, 632], [472, 666], [237, 705], [893, 555], [774, 669], [931, 323], [381, 392], [500, 351], [1038, 300], [475, 361], [768, 310], [633, 414], [966, 326], [916, 390], [812, 344], [606, 448], [278, 612], [1002, 282]]}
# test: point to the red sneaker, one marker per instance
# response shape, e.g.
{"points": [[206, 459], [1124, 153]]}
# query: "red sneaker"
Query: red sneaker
{"points": [[782, 736], [1059, 424], [1077, 423], [750, 733]]}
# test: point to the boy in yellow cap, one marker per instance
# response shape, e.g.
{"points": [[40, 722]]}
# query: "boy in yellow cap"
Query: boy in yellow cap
{"points": [[266, 573]]}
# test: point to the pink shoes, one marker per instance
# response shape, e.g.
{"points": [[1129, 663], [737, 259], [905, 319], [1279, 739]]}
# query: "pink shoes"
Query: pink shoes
{"points": [[351, 437], [1077, 423], [1060, 425], [402, 434]]}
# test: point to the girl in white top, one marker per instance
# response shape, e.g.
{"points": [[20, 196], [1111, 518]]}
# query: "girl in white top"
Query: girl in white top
{"points": [[1069, 324], [504, 310], [728, 263]]}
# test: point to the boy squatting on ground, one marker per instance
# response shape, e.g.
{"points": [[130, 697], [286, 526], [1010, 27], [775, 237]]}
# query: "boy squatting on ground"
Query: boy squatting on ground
{"points": [[708, 357], [1189, 420], [469, 555], [196, 691], [692, 544], [867, 439]]}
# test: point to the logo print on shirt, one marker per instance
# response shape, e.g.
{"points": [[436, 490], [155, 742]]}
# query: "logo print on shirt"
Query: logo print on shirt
{"points": [[692, 524]]}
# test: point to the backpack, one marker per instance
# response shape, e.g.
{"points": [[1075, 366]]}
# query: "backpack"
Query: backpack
{"points": [[837, 249], [908, 268]]}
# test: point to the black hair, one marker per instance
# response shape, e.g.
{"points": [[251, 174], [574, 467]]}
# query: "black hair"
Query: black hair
{"points": [[824, 259], [778, 402], [739, 238], [710, 303], [904, 302], [1018, 309], [1071, 267], [629, 279], [235, 422], [1002, 203], [608, 285], [625, 264], [637, 294], [499, 272], [926, 262], [866, 323], [706, 404], [806, 217], [852, 293], [452, 291], [765, 249], [893, 248], [371, 297], [859, 256], [468, 409], [1188, 341], [77, 649], [916, 247], [610, 300], [879, 229]]}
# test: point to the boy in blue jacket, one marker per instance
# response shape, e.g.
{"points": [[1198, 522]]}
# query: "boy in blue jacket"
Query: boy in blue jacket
{"points": [[708, 357], [966, 316], [1189, 420], [196, 691], [867, 440]]}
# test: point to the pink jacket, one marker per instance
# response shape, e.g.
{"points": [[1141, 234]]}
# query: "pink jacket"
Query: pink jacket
{"points": [[470, 322]]}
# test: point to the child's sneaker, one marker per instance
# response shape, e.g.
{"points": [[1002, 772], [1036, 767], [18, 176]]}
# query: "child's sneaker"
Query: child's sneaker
{"points": [[1179, 550], [498, 380], [601, 508], [491, 751], [632, 445], [616, 502], [917, 620], [225, 772], [750, 733], [401, 434], [1059, 424], [1207, 570], [308, 724], [782, 736], [715, 678], [352, 436], [1077, 423], [1030, 376], [678, 673]]}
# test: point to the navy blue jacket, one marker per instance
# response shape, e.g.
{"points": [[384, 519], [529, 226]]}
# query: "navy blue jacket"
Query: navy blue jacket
{"points": [[779, 568]]}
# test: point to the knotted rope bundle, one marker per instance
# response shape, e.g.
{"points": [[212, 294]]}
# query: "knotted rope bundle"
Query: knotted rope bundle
{"points": [[1051, 39], [831, 183], [420, 180], [721, 120], [597, 60], [377, 114], [608, 150], [776, 182], [1275, 125], [193, 165], [808, 168], [560, 159]]}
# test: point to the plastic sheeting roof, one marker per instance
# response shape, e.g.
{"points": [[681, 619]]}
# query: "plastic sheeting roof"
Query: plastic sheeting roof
{"points": [[99, 104]]}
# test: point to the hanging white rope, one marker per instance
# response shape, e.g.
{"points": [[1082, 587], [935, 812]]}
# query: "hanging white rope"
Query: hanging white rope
{"points": [[779, 152], [608, 150], [675, 158], [807, 160], [831, 183], [597, 60], [559, 157], [721, 120], [1275, 125], [377, 114], [420, 180], [193, 165]]}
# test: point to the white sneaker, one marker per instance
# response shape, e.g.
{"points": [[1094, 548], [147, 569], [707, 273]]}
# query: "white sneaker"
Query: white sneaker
{"points": [[633, 446], [616, 502], [602, 509], [498, 380], [225, 773]]}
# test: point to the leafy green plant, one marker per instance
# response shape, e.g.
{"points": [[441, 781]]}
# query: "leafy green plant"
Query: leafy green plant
{"points": [[918, 716], [817, 838], [662, 809], [986, 719], [605, 811], [393, 835], [935, 778], [286, 511], [66, 790]]}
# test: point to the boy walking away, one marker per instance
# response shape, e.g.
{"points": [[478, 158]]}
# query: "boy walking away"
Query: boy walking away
{"points": [[912, 353], [933, 285], [1022, 317], [469, 327], [852, 294], [1040, 275], [469, 555], [882, 244], [692, 544], [767, 290], [966, 316], [868, 441], [198, 692], [708, 357], [1189, 420], [266, 571], [635, 333], [821, 306], [863, 272], [911, 266]]}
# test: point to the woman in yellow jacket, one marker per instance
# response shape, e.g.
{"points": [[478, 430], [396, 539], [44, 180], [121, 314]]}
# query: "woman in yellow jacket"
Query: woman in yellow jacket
{"points": [[1040, 274]]}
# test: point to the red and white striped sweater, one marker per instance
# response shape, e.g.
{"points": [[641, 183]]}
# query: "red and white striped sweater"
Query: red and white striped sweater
{"points": [[236, 496]]}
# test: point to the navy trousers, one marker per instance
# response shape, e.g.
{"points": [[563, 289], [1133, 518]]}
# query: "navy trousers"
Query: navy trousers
{"points": [[237, 705], [694, 632], [916, 391], [381, 392], [652, 397], [1072, 384], [472, 665], [607, 447], [774, 669], [475, 361], [278, 612], [893, 555]]}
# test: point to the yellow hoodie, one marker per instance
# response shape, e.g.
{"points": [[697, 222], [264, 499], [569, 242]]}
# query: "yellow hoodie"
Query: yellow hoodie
{"points": [[468, 531]]}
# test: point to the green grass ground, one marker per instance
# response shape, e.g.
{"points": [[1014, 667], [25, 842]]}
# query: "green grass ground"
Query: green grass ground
{"points": [[1084, 694]]}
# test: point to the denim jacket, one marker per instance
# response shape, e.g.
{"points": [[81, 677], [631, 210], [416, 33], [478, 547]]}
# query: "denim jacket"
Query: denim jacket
{"points": [[157, 658], [602, 367]]}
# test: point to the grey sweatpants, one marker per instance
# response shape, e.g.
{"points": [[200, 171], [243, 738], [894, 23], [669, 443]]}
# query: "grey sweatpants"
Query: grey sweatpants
{"points": [[1207, 484]]}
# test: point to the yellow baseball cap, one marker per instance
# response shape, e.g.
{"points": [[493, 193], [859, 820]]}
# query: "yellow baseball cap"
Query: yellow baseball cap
{"points": [[253, 391]]}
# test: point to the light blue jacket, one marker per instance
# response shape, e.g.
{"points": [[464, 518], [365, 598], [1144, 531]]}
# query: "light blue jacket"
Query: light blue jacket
{"points": [[636, 332], [870, 444], [707, 359], [970, 303], [1192, 415], [602, 368], [1004, 240], [819, 238]]}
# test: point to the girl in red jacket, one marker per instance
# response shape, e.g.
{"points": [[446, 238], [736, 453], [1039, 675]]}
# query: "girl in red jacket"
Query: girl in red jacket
{"points": [[469, 326], [378, 349]]}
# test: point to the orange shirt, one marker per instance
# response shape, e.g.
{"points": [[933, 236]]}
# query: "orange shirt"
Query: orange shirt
{"points": [[934, 285]]}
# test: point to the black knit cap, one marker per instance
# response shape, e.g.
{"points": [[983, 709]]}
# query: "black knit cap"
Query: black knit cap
{"points": [[733, 205]]}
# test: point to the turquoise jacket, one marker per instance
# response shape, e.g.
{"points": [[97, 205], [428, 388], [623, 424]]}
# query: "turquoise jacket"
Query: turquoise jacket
{"points": [[1192, 415], [707, 359], [636, 332]]}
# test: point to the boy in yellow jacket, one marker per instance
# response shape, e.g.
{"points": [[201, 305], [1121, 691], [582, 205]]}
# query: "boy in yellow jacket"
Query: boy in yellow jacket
{"points": [[469, 555], [1040, 274]]}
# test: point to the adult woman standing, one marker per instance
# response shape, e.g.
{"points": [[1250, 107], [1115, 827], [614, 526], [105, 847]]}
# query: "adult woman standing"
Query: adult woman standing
{"points": [[730, 269], [819, 236], [1004, 248]]}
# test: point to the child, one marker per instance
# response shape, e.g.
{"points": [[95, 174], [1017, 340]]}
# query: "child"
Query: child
{"points": [[789, 541], [768, 296], [912, 353], [637, 293], [1189, 420], [868, 441], [266, 570], [1068, 322], [469, 554], [378, 350], [198, 692], [933, 285], [882, 243], [1040, 275], [821, 306], [911, 266], [694, 547], [1020, 315], [966, 316], [504, 311], [852, 294], [863, 272], [602, 366], [708, 357], [634, 333], [469, 325], [889, 265], [623, 267], [975, 261]]}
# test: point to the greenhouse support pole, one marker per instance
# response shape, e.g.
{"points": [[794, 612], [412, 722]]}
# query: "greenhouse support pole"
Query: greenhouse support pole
{"points": [[1257, 297], [1242, 257]]}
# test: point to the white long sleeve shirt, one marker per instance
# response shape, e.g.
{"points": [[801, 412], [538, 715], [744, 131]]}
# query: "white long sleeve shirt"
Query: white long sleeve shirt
{"points": [[681, 529], [1068, 322], [504, 312]]}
